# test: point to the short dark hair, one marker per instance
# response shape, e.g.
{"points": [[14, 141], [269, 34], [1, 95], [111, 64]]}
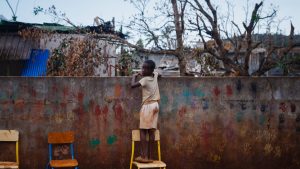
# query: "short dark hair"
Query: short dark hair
{"points": [[151, 63]]}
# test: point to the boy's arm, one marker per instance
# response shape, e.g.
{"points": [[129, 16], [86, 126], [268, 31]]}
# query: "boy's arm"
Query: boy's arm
{"points": [[135, 84], [158, 74]]}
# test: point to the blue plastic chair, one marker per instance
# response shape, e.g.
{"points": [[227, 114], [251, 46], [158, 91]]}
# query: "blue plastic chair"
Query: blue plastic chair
{"points": [[62, 138]]}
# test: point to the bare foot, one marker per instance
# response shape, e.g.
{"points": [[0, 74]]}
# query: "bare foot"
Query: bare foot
{"points": [[143, 160]]}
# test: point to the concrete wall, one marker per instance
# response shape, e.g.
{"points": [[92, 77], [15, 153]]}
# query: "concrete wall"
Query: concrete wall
{"points": [[249, 123]]}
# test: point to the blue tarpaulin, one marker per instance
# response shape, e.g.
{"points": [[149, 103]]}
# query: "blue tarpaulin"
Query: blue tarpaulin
{"points": [[37, 63]]}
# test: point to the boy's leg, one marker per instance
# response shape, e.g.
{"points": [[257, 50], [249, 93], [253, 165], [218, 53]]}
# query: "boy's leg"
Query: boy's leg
{"points": [[144, 152], [151, 142]]}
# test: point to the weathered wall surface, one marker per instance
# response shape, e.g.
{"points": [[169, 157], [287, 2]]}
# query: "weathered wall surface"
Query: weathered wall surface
{"points": [[228, 123]]}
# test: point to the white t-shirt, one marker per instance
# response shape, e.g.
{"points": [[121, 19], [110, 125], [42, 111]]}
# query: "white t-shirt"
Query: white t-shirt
{"points": [[150, 88]]}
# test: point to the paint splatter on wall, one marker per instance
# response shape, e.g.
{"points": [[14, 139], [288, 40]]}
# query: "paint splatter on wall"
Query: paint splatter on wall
{"points": [[283, 107], [229, 91], [94, 143], [205, 104], [240, 116], [118, 91], [216, 91], [253, 88], [199, 92], [239, 85], [293, 108], [182, 111], [112, 139]]}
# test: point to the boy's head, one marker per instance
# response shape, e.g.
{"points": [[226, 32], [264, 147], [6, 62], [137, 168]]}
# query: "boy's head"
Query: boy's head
{"points": [[148, 68]]}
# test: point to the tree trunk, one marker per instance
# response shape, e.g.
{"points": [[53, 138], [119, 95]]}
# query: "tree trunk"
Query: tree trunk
{"points": [[182, 64], [179, 38]]}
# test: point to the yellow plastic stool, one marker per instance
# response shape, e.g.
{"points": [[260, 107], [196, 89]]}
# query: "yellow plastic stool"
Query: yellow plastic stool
{"points": [[155, 164], [10, 136]]}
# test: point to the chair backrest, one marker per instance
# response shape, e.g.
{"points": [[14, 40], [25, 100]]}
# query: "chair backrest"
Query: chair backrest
{"points": [[61, 137], [137, 137], [9, 135]]}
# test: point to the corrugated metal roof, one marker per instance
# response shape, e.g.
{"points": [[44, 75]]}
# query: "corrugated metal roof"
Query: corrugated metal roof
{"points": [[37, 64], [7, 26], [14, 47], [13, 27]]}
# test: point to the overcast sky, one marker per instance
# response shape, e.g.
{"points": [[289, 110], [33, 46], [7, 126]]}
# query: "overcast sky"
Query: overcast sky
{"points": [[83, 11]]}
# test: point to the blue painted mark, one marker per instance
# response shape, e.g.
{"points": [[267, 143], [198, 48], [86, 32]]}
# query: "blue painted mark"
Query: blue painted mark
{"points": [[111, 139], [15, 93], [164, 100], [262, 119], [205, 105], [14, 96], [86, 104], [194, 103], [94, 143], [175, 105], [186, 96], [2, 96], [186, 93], [240, 116], [199, 93]]}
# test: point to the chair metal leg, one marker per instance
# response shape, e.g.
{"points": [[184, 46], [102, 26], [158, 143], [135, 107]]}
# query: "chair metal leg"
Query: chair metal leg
{"points": [[132, 154], [17, 152]]}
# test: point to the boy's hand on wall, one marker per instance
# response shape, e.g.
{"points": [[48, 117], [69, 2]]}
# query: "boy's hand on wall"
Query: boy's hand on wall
{"points": [[137, 74]]}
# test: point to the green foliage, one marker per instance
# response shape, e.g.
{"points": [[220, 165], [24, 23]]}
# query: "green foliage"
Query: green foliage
{"points": [[52, 11], [37, 10], [140, 43], [58, 57], [256, 18], [289, 64], [125, 63]]}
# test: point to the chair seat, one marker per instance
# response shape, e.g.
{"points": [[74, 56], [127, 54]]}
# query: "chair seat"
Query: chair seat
{"points": [[154, 164], [6, 164], [63, 163]]}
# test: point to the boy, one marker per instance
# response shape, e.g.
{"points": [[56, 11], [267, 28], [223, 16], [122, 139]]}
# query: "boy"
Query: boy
{"points": [[150, 108]]}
